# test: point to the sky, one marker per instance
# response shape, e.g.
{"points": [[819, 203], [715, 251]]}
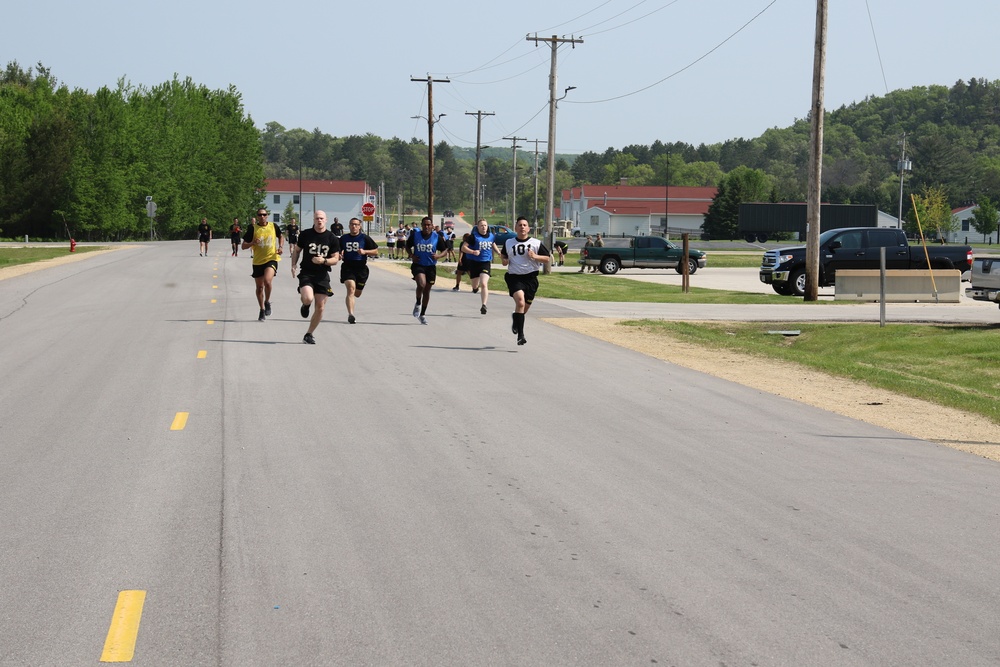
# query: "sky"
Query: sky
{"points": [[697, 71]]}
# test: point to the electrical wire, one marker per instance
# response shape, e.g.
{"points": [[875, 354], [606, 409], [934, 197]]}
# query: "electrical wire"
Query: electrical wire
{"points": [[686, 67]]}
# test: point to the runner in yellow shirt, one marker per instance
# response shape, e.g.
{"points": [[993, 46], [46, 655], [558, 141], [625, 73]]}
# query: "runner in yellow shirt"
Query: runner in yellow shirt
{"points": [[265, 238]]}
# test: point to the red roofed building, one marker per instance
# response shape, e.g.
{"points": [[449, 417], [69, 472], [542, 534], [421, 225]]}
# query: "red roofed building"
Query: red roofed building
{"points": [[339, 199], [638, 210], [964, 214]]}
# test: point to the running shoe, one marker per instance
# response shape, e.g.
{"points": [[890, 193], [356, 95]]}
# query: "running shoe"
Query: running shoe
{"points": [[423, 320], [304, 310], [350, 319], [521, 340], [267, 308], [482, 310], [260, 318], [416, 310], [308, 339], [475, 291], [455, 288]]}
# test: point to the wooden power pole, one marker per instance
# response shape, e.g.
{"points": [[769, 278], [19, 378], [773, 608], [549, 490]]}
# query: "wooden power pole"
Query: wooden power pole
{"points": [[816, 157]]}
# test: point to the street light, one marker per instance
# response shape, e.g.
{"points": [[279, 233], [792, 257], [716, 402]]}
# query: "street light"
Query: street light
{"points": [[430, 160]]}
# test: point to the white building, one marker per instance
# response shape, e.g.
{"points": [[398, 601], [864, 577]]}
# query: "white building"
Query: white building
{"points": [[636, 210], [965, 231], [340, 199]]}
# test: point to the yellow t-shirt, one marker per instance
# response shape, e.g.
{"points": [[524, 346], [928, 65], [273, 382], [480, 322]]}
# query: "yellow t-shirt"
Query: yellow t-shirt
{"points": [[265, 244]]}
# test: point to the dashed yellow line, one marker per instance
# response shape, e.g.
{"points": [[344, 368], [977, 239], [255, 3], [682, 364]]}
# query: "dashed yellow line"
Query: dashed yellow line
{"points": [[202, 354], [214, 300], [215, 287], [120, 643], [180, 421], [209, 321]]}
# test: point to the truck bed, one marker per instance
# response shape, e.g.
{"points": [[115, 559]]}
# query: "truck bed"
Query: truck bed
{"points": [[986, 272]]}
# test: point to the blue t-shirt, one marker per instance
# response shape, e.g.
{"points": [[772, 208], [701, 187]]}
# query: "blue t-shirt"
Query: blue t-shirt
{"points": [[484, 244], [351, 247], [424, 248]]}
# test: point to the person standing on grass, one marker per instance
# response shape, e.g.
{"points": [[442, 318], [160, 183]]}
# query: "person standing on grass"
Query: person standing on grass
{"points": [[478, 253], [424, 248], [320, 249], [525, 257], [356, 247], [268, 245]]}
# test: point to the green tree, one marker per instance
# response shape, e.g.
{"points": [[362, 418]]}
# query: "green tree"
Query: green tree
{"points": [[984, 217], [933, 212], [740, 185]]}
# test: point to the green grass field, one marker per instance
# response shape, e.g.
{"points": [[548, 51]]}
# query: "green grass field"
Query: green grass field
{"points": [[15, 256]]}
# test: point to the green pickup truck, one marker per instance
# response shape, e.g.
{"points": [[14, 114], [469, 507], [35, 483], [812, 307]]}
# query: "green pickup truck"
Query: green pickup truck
{"points": [[640, 252]]}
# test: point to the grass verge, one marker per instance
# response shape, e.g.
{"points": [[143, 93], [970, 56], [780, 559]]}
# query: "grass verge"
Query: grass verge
{"points": [[956, 366], [15, 256]]}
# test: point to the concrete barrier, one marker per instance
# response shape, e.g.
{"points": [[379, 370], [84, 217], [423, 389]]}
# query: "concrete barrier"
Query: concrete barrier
{"points": [[901, 285]]}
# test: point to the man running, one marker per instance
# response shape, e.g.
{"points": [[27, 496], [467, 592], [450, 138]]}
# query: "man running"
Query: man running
{"points": [[478, 252], [524, 256], [268, 245], [424, 248], [320, 249], [234, 236], [204, 236], [357, 247], [292, 232]]}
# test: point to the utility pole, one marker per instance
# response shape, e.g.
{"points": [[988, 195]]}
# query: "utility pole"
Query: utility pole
{"points": [[479, 136], [554, 41], [816, 157], [536, 142], [513, 193], [430, 138]]}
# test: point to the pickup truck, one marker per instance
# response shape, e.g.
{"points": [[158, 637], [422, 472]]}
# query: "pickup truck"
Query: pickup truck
{"points": [[784, 269], [985, 279], [640, 252]]}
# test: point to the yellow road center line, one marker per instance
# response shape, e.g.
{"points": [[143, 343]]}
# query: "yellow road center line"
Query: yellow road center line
{"points": [[120, 643], [214, 300], [204, 353], [218, 276], [215, 287], [180, 421], [210, 322]]}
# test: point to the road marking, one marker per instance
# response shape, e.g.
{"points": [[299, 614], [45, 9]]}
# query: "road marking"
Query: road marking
{"points": [[210, 322], [120, 643], [202, 354], [180, 421], [215, 287], [214, 300]]}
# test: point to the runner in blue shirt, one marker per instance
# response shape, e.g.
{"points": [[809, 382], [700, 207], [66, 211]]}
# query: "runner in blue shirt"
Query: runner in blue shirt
{"points": [[424, 248], [478, 252]]}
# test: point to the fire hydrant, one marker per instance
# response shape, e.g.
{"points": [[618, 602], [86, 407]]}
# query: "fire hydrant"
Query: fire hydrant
{"points": [[72, 245]]}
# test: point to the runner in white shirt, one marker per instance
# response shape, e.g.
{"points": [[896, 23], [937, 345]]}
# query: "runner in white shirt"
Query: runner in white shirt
{"points": [[524, 257]]}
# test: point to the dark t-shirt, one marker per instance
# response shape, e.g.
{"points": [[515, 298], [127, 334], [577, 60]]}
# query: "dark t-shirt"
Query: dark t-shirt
{"points": [[204, 230], [316, 244], [352, 245]]}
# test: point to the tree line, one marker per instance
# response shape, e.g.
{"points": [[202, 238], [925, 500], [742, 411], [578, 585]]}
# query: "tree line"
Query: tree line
{"points": [[82, 164]]}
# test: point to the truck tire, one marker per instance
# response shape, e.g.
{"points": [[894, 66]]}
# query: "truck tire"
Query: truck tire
{"points": [[692, 267], [749, 237], [797, 282], [610, 266], [784, 289], [762, 238]]}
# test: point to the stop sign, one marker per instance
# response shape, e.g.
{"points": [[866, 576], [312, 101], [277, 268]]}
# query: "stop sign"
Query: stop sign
{"points": [[368, 208]]}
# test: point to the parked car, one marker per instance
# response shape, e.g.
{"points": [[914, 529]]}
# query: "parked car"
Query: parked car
{"points": [[502, 232], [784, 269], [641, 252], [985, 279]]}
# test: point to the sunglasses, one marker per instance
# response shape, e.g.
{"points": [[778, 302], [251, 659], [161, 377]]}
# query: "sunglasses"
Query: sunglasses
{"points": [[262, 215]]}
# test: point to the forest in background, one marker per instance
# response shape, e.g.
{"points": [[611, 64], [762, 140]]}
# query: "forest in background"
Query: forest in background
{"points": [[83, 163]]}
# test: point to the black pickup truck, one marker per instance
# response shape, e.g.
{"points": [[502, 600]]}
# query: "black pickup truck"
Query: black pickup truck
{"points": [[784, 269]]}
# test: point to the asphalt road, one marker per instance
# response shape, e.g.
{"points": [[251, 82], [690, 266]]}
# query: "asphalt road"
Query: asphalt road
{"points": [[402, 494]]}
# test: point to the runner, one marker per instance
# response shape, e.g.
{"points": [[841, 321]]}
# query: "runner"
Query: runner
{"points": [[265, 238], [357, 247], [462, 267], [478, 252], [402, 234], [234, 236], [524, 256], [320, 250], [424, 248], [390, 243], [292, 232], [204, 236]]}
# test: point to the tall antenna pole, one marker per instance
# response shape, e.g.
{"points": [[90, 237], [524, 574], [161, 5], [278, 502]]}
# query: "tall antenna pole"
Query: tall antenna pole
{"points": [[430, 139], [479, 140], [513, 192], [550, 194]]}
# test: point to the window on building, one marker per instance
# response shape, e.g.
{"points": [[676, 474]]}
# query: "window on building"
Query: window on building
{"points": [[295, 199], [277, 199], [965, 225], [277, 216], [595, 220]]}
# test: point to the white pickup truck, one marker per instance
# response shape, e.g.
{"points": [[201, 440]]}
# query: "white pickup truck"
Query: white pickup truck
{"points": [[985, 279]]}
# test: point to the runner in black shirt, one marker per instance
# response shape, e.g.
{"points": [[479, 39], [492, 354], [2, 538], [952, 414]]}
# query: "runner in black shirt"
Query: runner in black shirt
{"points": [[320, 250]]}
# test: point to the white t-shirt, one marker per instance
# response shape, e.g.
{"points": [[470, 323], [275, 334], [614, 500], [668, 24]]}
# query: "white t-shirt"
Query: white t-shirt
{"points": [[517, 252]]}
